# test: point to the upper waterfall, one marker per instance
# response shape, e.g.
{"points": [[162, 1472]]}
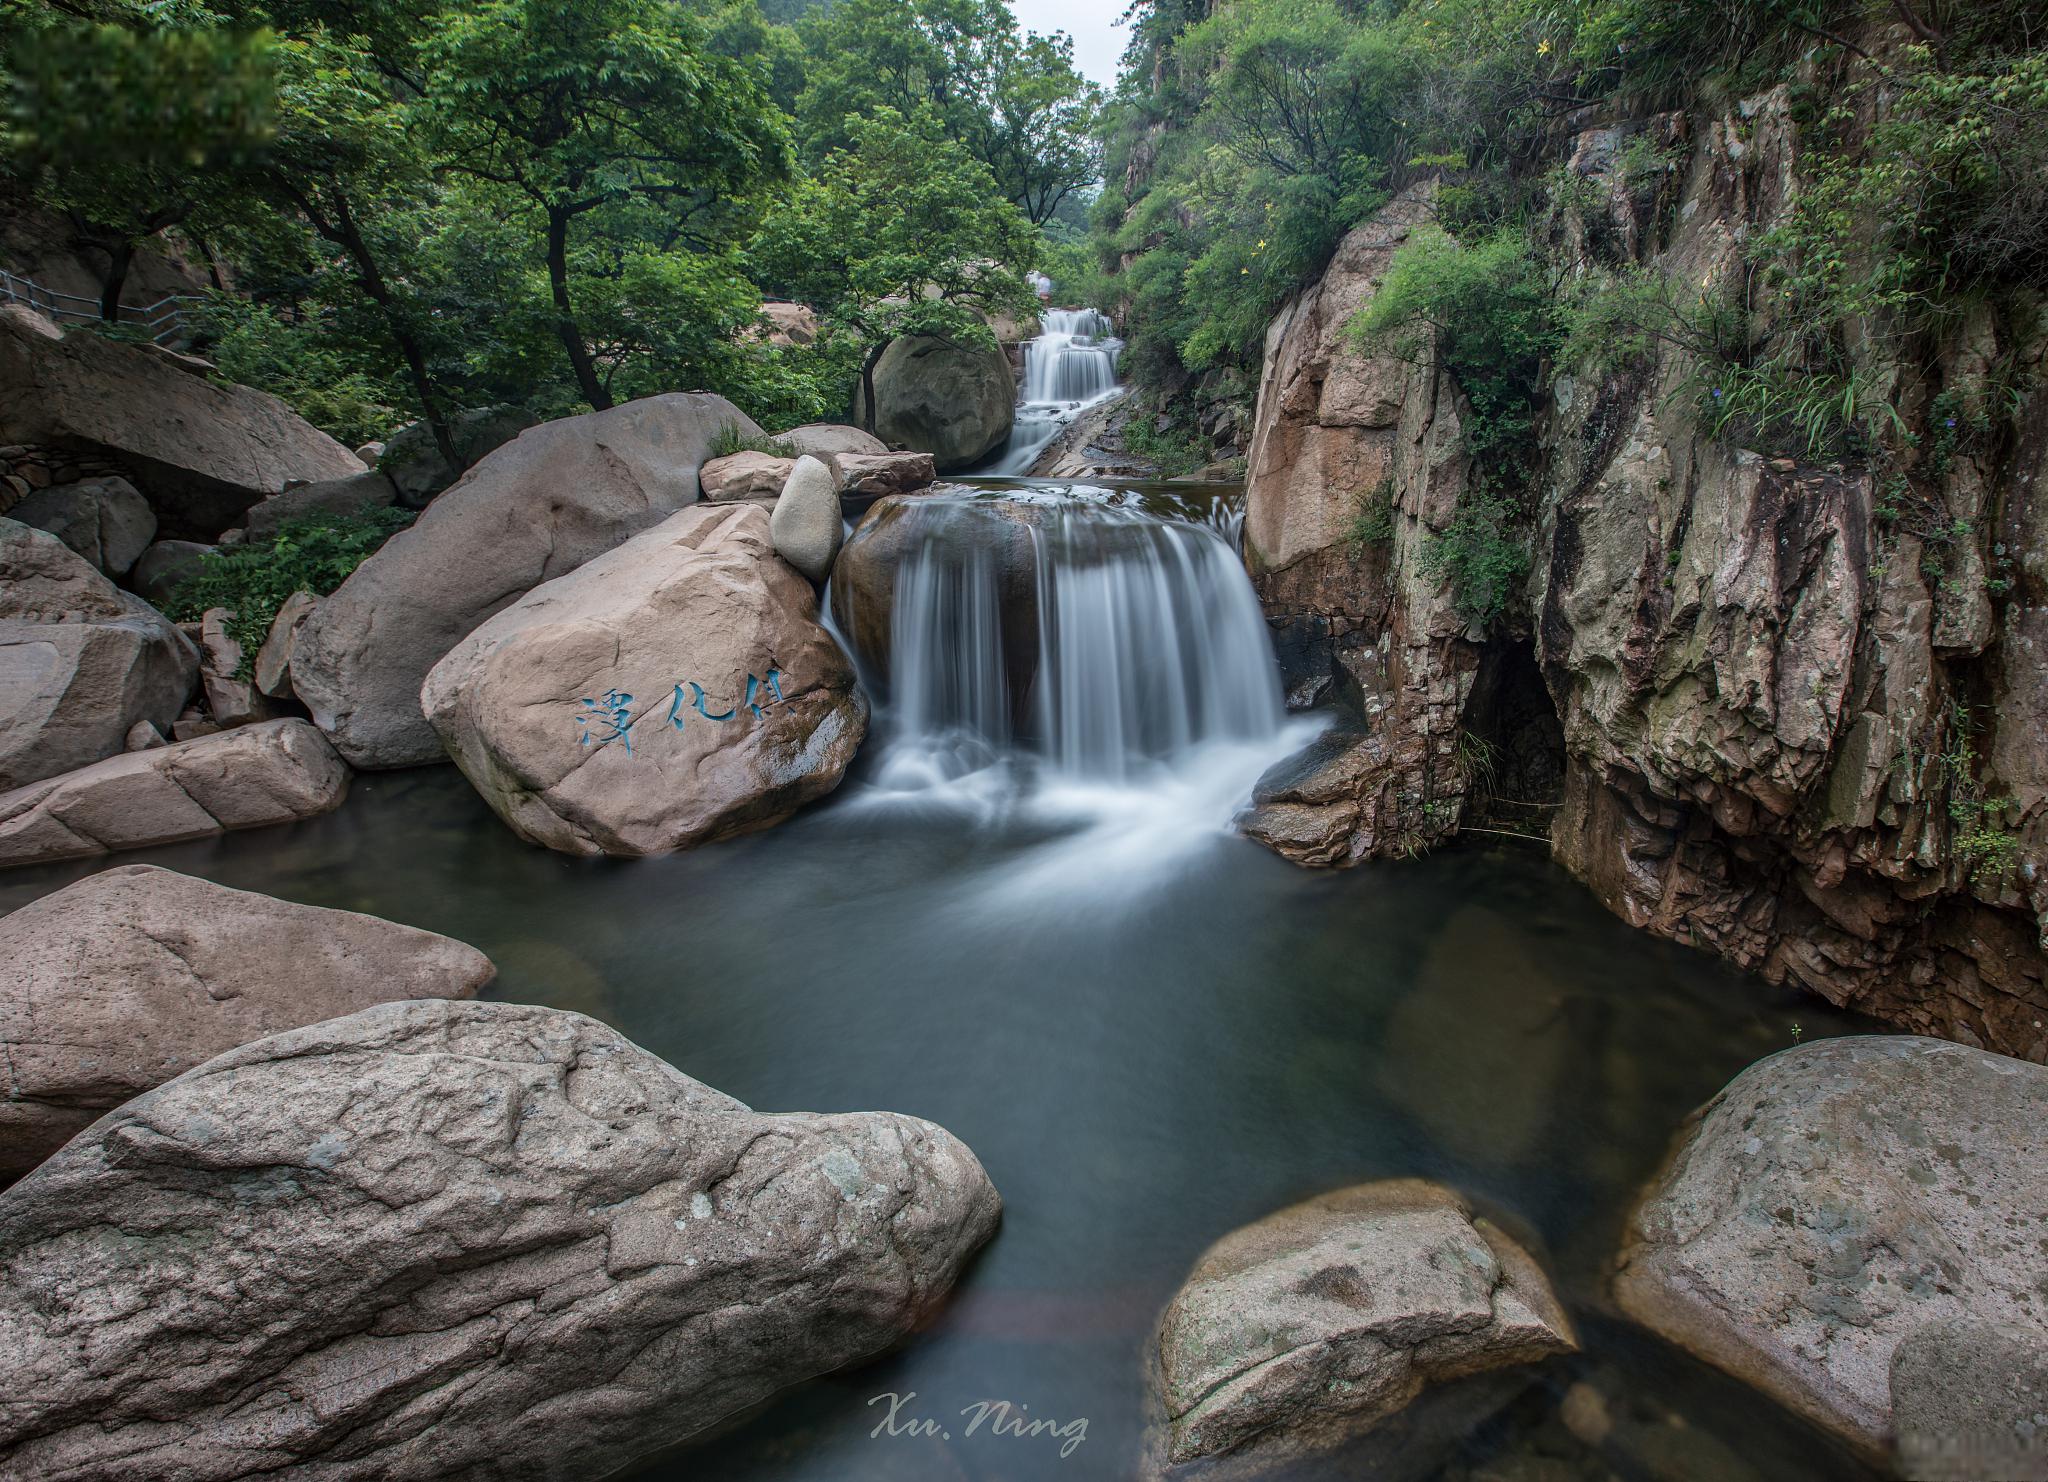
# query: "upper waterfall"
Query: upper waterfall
{"points": [[1070, 366]]}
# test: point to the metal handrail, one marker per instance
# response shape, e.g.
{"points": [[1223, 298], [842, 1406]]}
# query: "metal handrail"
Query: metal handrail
{"points": [[164, 319]]}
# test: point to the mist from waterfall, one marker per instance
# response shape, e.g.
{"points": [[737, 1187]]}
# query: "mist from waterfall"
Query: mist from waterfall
{"points": [[1071, 366], [1131, 716]]}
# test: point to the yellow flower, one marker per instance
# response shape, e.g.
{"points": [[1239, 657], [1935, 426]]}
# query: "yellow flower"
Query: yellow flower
{"points": [[1262, 244], [1543, 47], [1244, 272]]}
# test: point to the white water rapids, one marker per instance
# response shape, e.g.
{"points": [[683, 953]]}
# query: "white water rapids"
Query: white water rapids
{"points": [[1070, 367]]}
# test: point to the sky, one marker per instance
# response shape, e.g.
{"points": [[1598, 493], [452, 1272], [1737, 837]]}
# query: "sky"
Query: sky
{"points": [[1098, 39]]}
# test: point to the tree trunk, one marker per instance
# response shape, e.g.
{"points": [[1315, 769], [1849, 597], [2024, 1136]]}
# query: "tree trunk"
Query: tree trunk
{"points": [[340, 229], [867, 386], [119, 257], [571, 336]]}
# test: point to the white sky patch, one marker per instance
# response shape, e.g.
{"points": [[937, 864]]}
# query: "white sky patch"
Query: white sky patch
{"points": [[1098, 40]]}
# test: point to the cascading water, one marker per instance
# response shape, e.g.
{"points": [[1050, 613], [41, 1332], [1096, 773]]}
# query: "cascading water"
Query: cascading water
{"points": [[1070, 367], [1068, 660]]}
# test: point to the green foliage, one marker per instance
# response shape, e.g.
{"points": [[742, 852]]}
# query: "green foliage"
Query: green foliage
{"points": [[321, 380], [1372, 521], [1980, 842], [1480, 554], [901, 233], [253, 580], [1011, 99], [732, 438], [1174, 450]]}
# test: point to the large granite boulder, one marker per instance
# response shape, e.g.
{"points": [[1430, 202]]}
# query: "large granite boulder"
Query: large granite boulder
{"points": [[414, 465], [536, 509], [166, 566], [954, 401], [1322, 1326], [104, 520], [674, 691], [1833, 1200], [80, 660], [201, 452], [830, 437], [437, 1240], [806, 524], [349, 496], [274, 772], [135, 975]]}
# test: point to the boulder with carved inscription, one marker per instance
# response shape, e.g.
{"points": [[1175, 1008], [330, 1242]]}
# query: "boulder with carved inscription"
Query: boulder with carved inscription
{"points": [[676, 690]]}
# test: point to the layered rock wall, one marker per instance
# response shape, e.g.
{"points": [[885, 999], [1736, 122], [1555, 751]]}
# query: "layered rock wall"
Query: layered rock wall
{"points": [[1798, 704]]}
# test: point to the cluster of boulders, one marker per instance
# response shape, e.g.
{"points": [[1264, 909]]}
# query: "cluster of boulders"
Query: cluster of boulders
{"points": [[693, 627], [294, 1202]]}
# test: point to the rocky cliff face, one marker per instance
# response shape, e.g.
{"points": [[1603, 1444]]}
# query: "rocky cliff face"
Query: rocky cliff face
{"points": [[1784, 710]]}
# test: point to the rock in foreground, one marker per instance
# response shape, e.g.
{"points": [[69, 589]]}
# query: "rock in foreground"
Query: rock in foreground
{"points": [[674, 691], [274, 772], [440, 1239], [137, 974], [1322, 1326], [535, 509], [1834, 1199], [80, 660]]}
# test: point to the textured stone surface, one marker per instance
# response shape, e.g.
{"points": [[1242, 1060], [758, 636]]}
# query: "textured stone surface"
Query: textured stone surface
{"points": [[1323, 1323], [955, 402], [632, 706], [535, 509], [806, 524], [201, 452], [272, 670], [453, 1239], [1834, 1199], [1782, 714], [831, 437], [745, 476], [1970, 1400], [104, 520], [137, 974], [164, 567], [80, 661], [414, 465], [255, 775], [349, 496], [232, 698]]}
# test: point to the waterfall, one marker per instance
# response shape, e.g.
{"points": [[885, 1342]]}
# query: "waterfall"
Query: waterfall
{"points": [[1059, 640], [1070, 367]]}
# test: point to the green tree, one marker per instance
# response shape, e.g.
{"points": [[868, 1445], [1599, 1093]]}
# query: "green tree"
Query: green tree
{"points": [[1013, 101], [131, 126], [577, 107], [901, 233]]}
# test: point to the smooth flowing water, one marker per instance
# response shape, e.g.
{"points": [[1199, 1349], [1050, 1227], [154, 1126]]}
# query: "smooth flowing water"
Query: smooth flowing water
{"points": [[1149, 1030], [1068, 368]]}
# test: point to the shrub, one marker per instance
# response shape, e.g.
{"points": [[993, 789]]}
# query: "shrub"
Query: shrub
{"points": [[252, 581], [730, 439], [1481, 556]]}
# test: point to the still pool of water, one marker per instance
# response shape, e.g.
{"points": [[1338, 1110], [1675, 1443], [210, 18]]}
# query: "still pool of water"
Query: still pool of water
{"points": [[1144, 1061]]}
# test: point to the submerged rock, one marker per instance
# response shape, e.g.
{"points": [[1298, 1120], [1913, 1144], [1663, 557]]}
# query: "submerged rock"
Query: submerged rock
{"points": [[137, 974], [954, 401], [674, 691], [453, 1239], [80, 660], [536, 509], [273, 772], [1322, 1326], [1833, 1200]]}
